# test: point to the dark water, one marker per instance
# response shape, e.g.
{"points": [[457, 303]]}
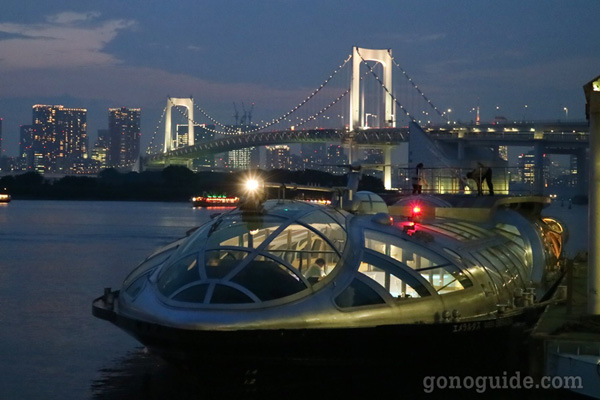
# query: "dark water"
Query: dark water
{"points": [[57, 256]]}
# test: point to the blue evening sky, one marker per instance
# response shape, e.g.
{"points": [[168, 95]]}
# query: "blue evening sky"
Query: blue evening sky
{"points": [[101, 54]]}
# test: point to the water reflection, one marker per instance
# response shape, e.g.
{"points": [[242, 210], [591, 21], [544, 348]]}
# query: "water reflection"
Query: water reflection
{"points": [[140, 375]]}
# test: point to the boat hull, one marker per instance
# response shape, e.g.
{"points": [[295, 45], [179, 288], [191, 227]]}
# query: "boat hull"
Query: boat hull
{"points": [[428, 348]]}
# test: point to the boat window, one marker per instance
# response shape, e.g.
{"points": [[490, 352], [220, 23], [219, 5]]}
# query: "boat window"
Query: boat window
{"points": [[467, 230], [178, 274], [491, 270], [358, 294], [147, 265], [192, 294], [511, 267], [303, 249], [397, 287], [287, 208], [496, 263], [136, 286], [454, 254], [552, 233], [518, 255], [268, 279], [440, 229], [444, 276], [228, 295], [241, 230], [512, 233], [329, 228], [218, 263]]}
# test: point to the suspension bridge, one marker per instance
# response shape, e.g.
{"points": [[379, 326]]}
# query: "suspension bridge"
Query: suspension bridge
{"points": [[360, 106]]}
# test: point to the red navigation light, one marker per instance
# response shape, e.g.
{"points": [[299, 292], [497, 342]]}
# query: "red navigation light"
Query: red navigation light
{"points": [[417, 212]]}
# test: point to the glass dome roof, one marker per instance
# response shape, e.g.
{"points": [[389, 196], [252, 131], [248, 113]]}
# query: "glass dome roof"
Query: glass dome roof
{"points": [[246, 257]]}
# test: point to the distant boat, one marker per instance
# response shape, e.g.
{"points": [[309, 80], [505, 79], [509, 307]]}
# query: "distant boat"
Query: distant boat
{"points": [[4, 196], [214, 201]]}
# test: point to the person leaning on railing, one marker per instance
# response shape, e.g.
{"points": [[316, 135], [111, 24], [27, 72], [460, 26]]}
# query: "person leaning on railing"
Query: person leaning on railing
{"points": [[480, 174]]}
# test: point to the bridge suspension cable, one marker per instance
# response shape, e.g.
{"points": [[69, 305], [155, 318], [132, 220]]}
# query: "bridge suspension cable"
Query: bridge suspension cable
{"points": [[230, 131], [151, 144], [416, 87], [327, 107], [404, 110]]}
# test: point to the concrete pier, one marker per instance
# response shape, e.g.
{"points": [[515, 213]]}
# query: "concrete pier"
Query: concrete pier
{"points": [[566, 340]]}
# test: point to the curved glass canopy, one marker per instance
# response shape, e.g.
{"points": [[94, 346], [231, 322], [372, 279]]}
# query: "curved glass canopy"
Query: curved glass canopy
{"points": [[246, 257]]}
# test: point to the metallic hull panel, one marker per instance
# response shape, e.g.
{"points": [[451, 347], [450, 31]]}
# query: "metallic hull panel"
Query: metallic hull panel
{"points": [[423, 346]]}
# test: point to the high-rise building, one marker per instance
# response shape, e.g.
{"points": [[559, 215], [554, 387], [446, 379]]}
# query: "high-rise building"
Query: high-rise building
{"points": [[100, 149], [527, 168], [62, 139], [313, 155], [124, 131], [278, 157], [335, 156], [29, 145], [242, 158], [202, 133]]}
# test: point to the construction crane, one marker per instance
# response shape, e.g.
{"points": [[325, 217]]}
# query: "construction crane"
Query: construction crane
{"points": [[244, 116], [250, 114], [236, 115]]}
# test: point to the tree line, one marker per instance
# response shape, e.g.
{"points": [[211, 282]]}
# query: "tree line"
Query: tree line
{"points": [[174, 183]]}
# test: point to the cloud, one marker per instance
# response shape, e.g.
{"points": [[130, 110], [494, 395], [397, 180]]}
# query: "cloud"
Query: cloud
{"points": [[71, 17], [65, 40]]}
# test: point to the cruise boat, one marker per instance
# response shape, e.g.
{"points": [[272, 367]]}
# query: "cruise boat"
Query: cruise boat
{"points": [[294, 280], [214, 201], [4, 196]]}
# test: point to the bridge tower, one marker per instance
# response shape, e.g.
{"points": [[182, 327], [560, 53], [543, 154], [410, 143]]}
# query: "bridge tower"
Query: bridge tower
{"points": [[188, 103], [357, 113]]}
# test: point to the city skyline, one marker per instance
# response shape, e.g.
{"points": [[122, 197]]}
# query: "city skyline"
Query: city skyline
{"points": [[516, 60]]}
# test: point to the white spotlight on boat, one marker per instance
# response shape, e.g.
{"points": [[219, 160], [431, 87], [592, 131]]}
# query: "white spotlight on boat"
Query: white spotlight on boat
{"points": [[252, 185]]}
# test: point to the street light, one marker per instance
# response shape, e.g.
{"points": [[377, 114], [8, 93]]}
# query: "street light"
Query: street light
{"points": [[566, 113]]}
